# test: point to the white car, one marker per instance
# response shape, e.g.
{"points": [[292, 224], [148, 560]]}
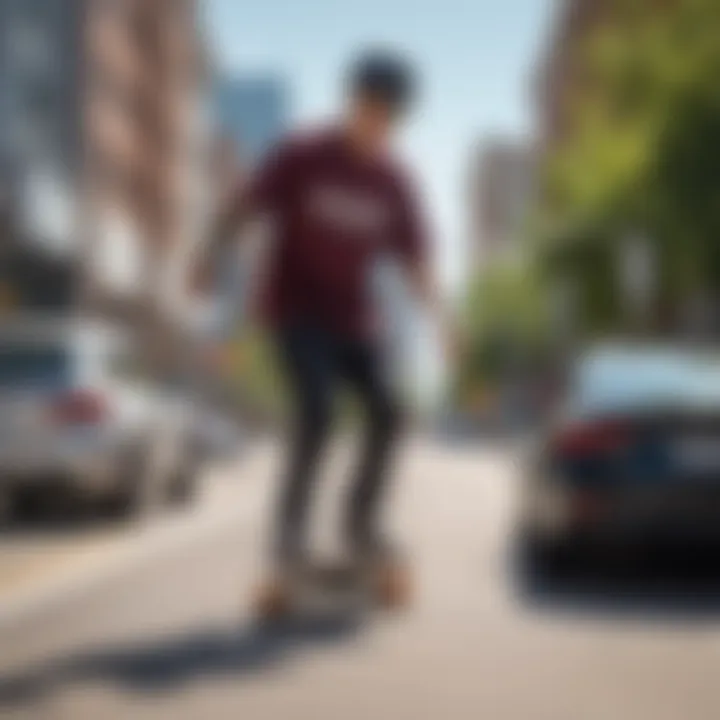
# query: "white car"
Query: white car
{"points": [[75, 409]]}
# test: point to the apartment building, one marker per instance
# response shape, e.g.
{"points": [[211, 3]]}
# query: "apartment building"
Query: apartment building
{"points": [[104, 121]]}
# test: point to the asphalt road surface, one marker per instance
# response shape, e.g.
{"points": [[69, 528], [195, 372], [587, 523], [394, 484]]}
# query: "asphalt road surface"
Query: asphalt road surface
{"points": [[161, 627]]}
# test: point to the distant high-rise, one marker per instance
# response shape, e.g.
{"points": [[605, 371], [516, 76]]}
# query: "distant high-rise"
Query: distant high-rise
{"points": [[253, 111], [501, 196], [41, 56], [40, 48]]}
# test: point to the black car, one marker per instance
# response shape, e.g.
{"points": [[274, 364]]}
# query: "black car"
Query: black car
{"points": [[632, 455]]}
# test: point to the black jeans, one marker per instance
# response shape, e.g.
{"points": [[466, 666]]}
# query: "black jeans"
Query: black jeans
{"points": [[316, 362]]}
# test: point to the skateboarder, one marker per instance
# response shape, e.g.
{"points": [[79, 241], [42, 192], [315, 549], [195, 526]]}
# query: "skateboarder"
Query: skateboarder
{"points": [[338, 201]]}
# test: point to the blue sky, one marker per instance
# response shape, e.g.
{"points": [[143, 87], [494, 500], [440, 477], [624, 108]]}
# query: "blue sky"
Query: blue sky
{"points": [[476, 58]]}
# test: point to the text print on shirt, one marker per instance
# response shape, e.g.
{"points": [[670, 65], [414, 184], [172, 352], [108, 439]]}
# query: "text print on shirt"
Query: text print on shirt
{"points": [[350, 212]]}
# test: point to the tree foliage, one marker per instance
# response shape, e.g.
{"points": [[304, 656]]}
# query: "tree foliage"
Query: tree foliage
{"points": [[507, 322], [642, 153]]}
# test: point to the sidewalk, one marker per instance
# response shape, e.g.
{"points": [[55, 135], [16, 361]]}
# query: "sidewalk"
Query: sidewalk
{"points": [[40, 564], [28, 557]]}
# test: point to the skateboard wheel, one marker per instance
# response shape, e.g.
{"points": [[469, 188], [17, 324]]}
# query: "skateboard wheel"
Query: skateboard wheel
{"points": [[273, 602], [393, 588]]}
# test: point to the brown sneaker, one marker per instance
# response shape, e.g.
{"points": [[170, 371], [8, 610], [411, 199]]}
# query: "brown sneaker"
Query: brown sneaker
{"points": [[392, 585], [274, 599]]}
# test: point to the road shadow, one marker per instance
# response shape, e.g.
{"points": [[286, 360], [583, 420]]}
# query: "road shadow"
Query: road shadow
{"points": [[676, 585], [163, 666]]}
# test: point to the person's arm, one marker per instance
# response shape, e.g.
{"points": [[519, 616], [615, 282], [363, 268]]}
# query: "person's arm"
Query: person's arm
{"points": [[265, 191], [425, 288], [411, 243]]}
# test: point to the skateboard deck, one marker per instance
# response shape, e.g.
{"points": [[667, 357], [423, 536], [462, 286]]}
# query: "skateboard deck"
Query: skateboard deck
{"points": [[329, 585]]}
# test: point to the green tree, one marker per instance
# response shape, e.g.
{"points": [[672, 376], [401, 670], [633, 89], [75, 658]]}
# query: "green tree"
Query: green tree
{"points": [[507, 321], [642, 155]]}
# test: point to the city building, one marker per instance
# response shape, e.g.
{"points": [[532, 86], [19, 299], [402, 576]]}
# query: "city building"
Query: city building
{"points": [[40, 110], [105, 125], [562, 77], [502, 189], [253, 111], [251, 114], [147, 131]]}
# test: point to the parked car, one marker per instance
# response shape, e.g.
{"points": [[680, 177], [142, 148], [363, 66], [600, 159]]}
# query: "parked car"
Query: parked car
{"points": [[218, 436], [632, 457], [76, 410]]}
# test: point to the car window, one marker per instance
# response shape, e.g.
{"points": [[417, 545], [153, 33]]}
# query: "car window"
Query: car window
{"points": [[626, 380], [32, 365]]}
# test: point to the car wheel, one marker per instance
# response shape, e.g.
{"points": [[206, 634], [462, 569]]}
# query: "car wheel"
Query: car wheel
{"points": [[7, 507], [542, 558], [130, 497]]}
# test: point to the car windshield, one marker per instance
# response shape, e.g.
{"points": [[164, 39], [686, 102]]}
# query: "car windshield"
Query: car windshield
{"points": [[632, 379], [25, 365]]}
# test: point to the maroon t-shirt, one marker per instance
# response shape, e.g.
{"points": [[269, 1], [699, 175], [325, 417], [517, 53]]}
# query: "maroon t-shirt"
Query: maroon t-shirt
{"points": [[333, 213]]}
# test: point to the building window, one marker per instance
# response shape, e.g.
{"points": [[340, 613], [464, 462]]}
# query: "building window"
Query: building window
{"points": [[30, 48], [118, 260]]}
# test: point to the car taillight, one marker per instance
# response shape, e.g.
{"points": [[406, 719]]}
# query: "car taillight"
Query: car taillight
{"points": [[80, 407], [591, 438]]}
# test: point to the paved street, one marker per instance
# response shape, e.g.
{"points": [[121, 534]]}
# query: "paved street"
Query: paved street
{"points": [[164, 631]]}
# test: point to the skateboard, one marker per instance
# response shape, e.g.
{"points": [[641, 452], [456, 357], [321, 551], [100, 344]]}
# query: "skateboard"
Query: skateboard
{"points": [[321, 585]]}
